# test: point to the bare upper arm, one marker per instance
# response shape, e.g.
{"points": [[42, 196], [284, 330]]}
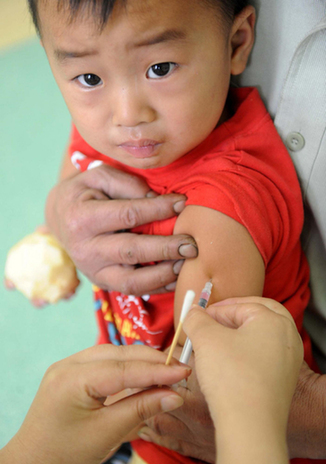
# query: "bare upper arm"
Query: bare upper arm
{"points": [[227, 255]]}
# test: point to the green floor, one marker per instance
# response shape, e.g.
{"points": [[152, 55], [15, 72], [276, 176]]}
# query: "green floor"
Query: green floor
{"points": [[34, 126]]}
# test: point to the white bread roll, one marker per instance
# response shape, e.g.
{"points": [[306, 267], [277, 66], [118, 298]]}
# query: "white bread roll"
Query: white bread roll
{"points": [[41, 269]]}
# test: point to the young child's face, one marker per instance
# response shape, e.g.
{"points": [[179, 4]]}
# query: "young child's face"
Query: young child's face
{"points": [[148, 87]]}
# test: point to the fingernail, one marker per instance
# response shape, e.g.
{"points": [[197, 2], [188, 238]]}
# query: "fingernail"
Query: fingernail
{"points": [[151, 194], [179, 206], [176, 269], [188, 251], [171, 287], [144, 436], [184, 367], [170, 403]]}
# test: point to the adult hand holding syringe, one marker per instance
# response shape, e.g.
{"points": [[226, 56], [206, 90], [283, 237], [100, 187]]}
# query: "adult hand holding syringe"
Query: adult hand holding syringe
{"points": [[203, 301]]}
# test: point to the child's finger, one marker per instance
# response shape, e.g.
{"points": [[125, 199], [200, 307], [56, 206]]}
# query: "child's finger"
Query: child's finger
{"points": [[71, 294], [38, 303], [8, 284], [43, 229]]}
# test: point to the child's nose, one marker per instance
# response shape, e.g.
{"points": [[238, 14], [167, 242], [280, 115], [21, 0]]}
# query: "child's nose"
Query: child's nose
{"points": [[131, 108]]}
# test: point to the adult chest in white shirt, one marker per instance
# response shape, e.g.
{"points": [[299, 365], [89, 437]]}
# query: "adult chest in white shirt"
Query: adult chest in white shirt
{"points": [[288, 65]]}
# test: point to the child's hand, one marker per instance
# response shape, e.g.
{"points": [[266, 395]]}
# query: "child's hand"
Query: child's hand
{"points": [[9, 285], [85, 211], [40, 268], [38, 303], [68, 421]]}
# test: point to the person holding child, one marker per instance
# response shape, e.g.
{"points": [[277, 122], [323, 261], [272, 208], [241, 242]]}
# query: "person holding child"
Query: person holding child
{"points": [[247, 217]]}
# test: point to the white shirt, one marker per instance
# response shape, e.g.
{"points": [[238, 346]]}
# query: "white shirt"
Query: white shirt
{"points": [[288, 65]]}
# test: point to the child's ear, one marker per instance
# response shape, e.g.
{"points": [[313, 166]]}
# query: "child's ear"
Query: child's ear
{"points": [[242, 39]]}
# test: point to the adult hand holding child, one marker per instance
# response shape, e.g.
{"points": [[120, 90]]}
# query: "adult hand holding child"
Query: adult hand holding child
{"points": [[96, 205]]}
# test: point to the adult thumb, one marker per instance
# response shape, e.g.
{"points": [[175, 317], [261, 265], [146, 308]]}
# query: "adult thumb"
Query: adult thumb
{"points": [[127, 414], [198, 323]]}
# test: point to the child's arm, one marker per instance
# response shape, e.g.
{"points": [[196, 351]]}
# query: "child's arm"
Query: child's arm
{"points": [[227, 255]]}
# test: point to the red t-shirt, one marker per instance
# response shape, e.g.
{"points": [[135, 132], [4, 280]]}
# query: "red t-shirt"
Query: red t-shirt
{"points": [[244, 171]]}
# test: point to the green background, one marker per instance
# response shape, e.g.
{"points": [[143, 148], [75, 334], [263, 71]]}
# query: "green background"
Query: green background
{"points": [[34, 128]]}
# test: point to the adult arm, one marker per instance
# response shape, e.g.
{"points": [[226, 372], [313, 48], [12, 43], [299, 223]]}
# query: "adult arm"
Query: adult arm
{"points": [[68, 421], [248, 360], [190, 430], [276, 365], [85, 211], [307, 421]]}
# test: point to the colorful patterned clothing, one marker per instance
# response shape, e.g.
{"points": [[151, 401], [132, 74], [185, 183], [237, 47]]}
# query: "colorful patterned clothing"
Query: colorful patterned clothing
{"points": [[242, 170]]}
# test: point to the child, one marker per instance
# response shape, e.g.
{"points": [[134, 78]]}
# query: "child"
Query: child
{"points": [[147, 85]]}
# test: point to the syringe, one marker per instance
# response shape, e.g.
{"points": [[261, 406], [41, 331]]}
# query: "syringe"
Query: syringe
{"points": [[203, 301]]}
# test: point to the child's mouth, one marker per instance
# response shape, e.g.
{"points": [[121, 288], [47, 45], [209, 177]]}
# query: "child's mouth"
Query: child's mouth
{"points": [[140, 148]]}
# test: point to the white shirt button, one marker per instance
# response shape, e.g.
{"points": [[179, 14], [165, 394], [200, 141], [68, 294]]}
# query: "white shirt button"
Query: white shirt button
{"points": [[294, 141]]}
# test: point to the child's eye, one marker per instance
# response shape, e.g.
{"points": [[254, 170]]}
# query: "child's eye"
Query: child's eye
{"points": [[89, 80], [160, 70]]}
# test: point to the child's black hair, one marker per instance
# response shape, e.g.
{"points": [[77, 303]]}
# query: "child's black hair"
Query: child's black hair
{"points": [[230, 8], [103, 8]]}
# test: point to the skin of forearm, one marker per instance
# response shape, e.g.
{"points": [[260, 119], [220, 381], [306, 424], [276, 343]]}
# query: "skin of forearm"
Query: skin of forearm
{"points": [[14, 453], [256, 436], [307, 421], [6, 456], [256, 425]]}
